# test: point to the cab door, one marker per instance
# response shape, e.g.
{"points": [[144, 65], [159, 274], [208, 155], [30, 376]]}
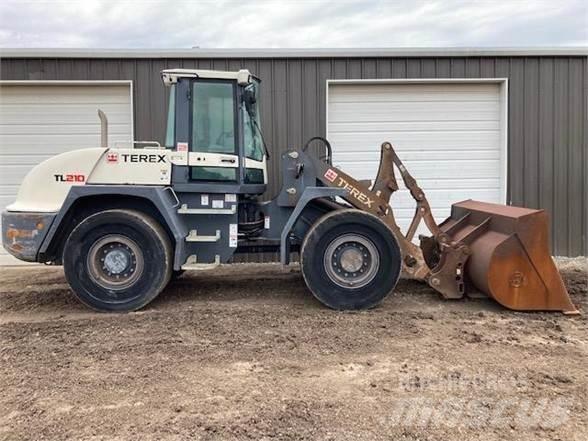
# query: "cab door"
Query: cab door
{"points": [[213, 154]]}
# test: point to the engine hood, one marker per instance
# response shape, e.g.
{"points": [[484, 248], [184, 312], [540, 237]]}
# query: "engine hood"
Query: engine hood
{"points": [[46, 186]]}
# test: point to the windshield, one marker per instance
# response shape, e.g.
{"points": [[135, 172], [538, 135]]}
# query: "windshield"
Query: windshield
{"points": [[252, 136]]}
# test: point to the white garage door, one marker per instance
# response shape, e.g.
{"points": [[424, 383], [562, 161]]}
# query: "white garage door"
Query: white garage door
{"points": [[449, 135], [39, 121]]}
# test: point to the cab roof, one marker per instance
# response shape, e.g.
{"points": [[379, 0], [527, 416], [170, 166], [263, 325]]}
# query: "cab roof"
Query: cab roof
{"points": [[170, 76]]}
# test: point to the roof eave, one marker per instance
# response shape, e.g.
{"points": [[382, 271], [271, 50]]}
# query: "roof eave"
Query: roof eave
{"points": [[292, 53]]}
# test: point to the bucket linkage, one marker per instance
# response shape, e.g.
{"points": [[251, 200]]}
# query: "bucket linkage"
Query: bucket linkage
{"points": [[502, 251]]}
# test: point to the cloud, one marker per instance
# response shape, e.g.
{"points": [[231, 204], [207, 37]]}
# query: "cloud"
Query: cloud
{"points": [[289, 24]]}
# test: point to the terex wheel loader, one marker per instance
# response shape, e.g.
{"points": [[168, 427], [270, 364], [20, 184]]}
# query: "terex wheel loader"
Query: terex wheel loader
{"points": [[122, 220]]}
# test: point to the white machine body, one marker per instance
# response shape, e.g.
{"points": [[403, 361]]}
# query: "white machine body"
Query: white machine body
{"points": [[46, 186]]}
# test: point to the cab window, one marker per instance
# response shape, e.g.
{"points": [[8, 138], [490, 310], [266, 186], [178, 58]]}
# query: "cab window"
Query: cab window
{"points": [[213, 127], [213, 119]]}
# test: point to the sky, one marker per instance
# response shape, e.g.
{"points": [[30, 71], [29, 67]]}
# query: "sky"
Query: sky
{"points": [[184, 24]]}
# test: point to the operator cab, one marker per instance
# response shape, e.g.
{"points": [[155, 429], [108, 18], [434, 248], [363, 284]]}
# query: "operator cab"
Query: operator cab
{"points": [[213, 125]]}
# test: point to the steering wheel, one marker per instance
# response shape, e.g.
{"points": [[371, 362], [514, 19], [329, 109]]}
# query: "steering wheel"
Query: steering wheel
{"points": [[328, 158]]}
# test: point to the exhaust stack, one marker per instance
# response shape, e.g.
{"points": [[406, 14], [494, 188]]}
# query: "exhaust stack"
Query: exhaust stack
{"points": [[103, 128]]}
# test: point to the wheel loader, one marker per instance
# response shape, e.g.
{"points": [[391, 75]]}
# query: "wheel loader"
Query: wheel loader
{"points": [[123, 221]]}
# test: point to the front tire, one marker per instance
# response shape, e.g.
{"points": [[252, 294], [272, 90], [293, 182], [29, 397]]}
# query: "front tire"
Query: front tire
{"points": [[350, 260], [117, 260]]}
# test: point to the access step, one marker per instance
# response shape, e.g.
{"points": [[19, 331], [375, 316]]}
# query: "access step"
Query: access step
{"points": [[184, 209], [193, 265], [194, 237]]}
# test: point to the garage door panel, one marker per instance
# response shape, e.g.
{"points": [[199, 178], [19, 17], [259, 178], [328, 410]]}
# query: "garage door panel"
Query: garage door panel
{"points": [[404, 92], [413, 142], [40, 121], [466, 169], [414, 111], [411, 126], [411, 97], [449, 135], [13, 174], [8, 190], [443, 198], [406, 213], [61, 105], [77, 114], [103, 94], [350, 156], [53, 144], [73, 127], [452, 183], [11, 135], [457, 183], [6, 199]]}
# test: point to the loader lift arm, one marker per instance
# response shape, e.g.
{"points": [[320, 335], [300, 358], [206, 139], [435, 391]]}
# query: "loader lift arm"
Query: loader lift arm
{"points": [[511, 260], [446, 276]]}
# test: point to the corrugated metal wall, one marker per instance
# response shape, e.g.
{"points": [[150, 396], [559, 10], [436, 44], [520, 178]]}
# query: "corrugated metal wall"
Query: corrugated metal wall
{"points": [[548, 113]]}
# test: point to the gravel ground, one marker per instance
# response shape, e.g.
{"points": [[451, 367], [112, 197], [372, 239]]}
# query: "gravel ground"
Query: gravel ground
{"points": [[245, 352]]}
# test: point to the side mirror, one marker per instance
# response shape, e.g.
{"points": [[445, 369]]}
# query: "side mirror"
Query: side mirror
{"points": [[249, 98]]}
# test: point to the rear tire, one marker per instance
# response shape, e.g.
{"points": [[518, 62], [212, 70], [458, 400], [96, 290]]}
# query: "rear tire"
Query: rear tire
{"points": [[350, 260], [117, 260]]}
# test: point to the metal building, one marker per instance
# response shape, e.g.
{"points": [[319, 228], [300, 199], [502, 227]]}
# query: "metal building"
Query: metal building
{"points": [[506, 126]]}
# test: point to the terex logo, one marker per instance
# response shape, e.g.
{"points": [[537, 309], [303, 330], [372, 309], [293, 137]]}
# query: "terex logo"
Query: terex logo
{"points": [[69, 178], [140, 157], [332, 176], [112, 158]]}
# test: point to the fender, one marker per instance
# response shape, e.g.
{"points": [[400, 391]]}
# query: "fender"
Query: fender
{"points": [[162, 197], [308, 195]]}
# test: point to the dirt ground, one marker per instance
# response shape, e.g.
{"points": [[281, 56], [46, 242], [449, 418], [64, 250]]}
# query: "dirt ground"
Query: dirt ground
{"points": [[245, 352]]}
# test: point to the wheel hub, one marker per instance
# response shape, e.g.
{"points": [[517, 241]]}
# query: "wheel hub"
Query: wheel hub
{"points": [[115, 262], [351, 261]]}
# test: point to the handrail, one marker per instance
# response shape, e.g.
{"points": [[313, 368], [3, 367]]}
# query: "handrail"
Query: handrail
{"points": [[153, 144]]}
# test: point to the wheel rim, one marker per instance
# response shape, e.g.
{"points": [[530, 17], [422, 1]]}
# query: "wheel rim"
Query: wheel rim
{"points": [[115, 262], [351, 261]]}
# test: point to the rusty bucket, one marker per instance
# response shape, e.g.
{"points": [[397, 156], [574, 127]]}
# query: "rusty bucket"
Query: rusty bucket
{"points": [[510, 259]]}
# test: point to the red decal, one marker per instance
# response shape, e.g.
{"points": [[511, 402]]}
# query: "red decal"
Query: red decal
{"points": [[330, 175], [112, 158]]}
